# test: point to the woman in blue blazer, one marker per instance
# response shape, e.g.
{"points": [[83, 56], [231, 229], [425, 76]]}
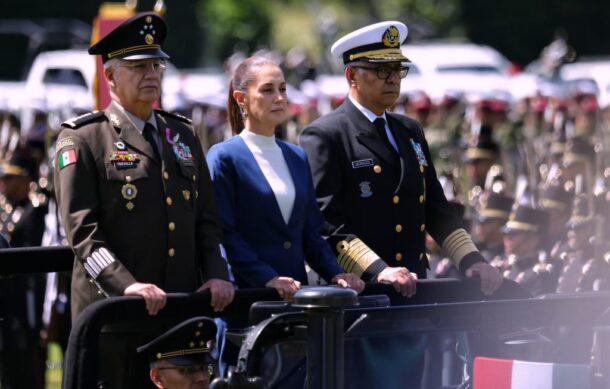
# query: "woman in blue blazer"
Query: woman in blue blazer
{"points": [[264, 192]]}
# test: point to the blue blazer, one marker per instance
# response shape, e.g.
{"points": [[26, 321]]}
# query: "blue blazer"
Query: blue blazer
{"points": [[259, 243]]}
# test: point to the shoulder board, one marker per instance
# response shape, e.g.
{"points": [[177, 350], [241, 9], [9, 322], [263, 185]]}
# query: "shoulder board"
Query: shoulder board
{"points": [[172, 115], [83, 119]]}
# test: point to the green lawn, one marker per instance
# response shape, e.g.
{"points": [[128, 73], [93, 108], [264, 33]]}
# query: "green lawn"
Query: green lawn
{"points": [[54, 370]]}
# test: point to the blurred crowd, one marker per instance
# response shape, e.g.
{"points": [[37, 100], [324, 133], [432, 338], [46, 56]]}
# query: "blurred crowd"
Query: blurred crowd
{"points": [[529, 175]]}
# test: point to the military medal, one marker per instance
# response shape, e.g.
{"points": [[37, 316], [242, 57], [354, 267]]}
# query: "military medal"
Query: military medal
{"points": [[421, 158], [124, 160], [129, 192], [121, 158], [181, 150]]}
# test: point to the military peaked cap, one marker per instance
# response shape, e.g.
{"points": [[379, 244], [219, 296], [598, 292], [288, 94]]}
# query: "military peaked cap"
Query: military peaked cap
{"points": [[137, 38]]}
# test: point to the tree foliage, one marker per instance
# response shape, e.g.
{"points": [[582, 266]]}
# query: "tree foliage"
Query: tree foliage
{"points": [[234, 24]]}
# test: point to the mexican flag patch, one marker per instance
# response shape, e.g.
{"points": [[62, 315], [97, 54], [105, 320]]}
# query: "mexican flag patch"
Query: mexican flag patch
{"points": [[65, 158]]}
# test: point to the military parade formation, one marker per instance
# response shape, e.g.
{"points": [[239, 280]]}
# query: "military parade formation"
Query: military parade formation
{"points": [[286, 185]]}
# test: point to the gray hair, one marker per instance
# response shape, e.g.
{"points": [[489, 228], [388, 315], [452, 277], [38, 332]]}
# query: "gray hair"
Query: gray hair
{"points": [[111, 63]]}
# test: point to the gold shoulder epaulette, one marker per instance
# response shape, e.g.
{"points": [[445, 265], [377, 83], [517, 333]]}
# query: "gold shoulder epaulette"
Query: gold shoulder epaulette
{"points": [[172, 115], [81, 120]]}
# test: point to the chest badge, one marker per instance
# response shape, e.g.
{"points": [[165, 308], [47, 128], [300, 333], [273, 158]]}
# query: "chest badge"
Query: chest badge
{"points": [[129, 192], [421, 158], [181, 150], [362, 163], [365, 189], [121, 158]]}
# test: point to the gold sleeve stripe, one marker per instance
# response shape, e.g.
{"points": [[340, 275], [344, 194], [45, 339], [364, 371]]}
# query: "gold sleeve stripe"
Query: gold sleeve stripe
{"points": [[457, 245], [355, 256]]}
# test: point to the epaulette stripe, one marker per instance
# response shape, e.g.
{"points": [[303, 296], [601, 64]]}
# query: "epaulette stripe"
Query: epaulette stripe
{"points": [[82, 119], [174, 116]]}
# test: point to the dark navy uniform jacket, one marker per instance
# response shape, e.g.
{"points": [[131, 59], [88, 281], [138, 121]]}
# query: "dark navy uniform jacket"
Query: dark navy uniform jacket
{"points": [[364, 189]]}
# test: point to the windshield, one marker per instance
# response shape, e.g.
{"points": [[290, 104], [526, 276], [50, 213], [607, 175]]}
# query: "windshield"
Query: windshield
{"points": [[486, 69]]}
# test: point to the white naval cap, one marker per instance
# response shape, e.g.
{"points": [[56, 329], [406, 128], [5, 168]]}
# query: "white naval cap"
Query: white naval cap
{"points": [[379, 42]]}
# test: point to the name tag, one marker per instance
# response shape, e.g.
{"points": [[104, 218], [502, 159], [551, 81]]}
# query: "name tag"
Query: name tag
{"points": [[362, 163]]}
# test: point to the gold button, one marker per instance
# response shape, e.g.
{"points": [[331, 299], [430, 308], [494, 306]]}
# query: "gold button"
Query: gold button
{"points": [[166, 175], [421, 168], [422, 228], [421, 199], [171, 252], [169, 201], [398, 228], [287, 244], [396, 199], [172, 226], [398, 256], [194, 177], [377, 169]]}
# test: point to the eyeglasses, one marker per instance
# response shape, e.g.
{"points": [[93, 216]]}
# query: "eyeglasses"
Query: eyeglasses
{"points": [[191, 369], [384, 72], [142, 66]]}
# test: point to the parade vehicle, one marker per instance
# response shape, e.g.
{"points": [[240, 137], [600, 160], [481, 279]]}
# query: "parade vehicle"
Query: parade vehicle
{"points": [[316, 334], [594, 69], [454, 66], [24, 40]]}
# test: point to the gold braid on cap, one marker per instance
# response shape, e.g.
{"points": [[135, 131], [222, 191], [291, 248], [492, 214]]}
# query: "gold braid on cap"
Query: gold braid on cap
{"points": [[180, 353], [457, 245], [387, 54], [355, 256]]}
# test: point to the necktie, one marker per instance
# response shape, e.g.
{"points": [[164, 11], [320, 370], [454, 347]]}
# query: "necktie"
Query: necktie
{"points": [[148, 134], [380, 127]]}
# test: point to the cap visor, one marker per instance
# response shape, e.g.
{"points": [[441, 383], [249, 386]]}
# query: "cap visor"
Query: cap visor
{"points": [[146, 55], [187, 360]]}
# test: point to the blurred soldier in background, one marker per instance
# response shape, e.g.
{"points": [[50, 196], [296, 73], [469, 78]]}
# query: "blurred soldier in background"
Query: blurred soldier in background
{"points": [[579, 246], [480, 158], [492, 214], [21, 297], [557, 201], [524, 237]]}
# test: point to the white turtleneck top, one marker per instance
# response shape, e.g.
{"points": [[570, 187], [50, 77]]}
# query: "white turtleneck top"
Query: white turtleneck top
{"points": [[270, 160]]}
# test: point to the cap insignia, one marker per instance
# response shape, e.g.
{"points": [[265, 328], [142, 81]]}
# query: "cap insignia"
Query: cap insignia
{"points": [[149, 39], [391, 37], [149, 19]]}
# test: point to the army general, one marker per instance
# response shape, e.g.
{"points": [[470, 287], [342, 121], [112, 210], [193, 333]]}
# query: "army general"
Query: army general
{"points": [[133, 186]]}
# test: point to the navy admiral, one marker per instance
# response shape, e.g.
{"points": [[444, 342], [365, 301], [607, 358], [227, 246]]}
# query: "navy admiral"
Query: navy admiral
{"points": [[183, 356], [374, 177], [133, 187]]}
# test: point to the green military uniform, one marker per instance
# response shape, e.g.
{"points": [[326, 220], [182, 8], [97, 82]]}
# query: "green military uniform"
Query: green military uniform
{"points": [[131, 217]]}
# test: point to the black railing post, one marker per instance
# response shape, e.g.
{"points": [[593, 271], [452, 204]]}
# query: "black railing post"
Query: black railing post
{"points": [[325, 309]]}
